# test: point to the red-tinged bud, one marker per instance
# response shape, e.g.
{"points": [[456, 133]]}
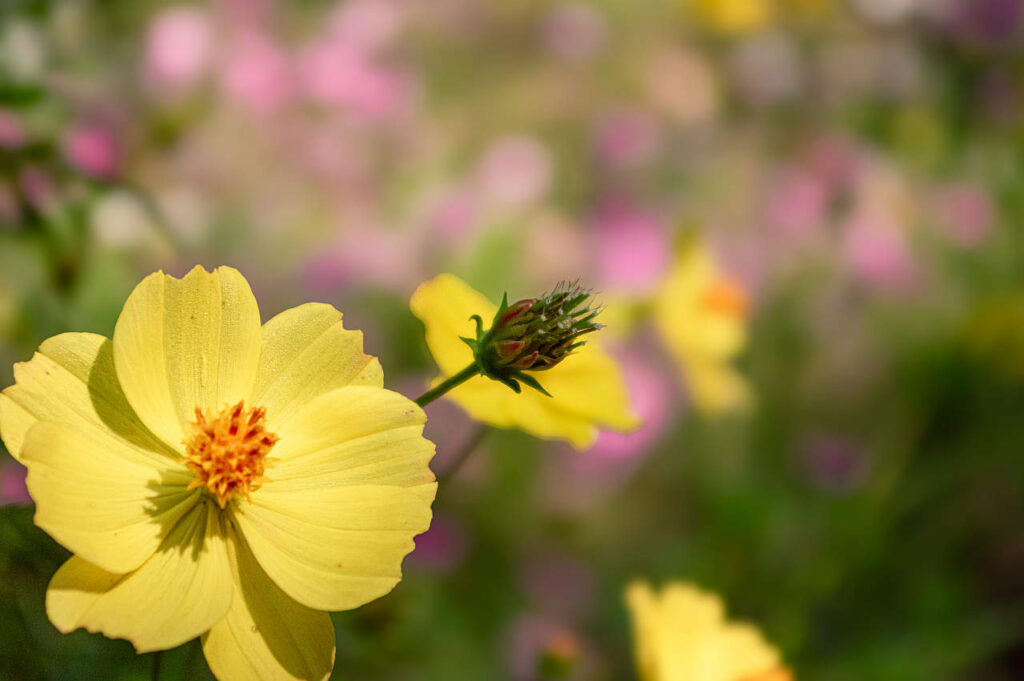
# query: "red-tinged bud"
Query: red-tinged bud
{"points": [[514, 311]]}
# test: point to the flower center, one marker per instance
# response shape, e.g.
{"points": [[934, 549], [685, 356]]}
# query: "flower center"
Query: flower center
{"points": [[227, 452], [726, 297]]}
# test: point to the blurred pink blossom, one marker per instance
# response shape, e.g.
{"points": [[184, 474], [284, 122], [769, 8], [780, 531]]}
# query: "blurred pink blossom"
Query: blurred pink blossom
{"points": [[37, 186], [515, 170], [93, 150], [835, 464], [650, 390], [575, 31], [453, 214], [12, 132], [367, 25], [558, 584], [337, 74], [12, 485], [965, 212], [796, 205], [371, 256], [628, 137], [256, 72], [878, 253], [632, 248], [442, 548], [530, 637], [178, 46]]}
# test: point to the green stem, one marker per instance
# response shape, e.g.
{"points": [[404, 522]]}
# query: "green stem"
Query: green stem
{"points": [[155, 673], [447, 384]]}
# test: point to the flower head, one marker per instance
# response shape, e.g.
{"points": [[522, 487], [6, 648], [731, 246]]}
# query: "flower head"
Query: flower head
{"points": [[681, 634], [585, 385], [148, 457], [701, 315]]}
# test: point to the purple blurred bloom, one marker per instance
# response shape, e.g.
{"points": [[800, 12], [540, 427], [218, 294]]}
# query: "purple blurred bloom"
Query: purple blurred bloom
{"points": [[530, 637], [650, 390], [835, 464], [632, 248], [442, 548], [12, 485], [178, 46], [93, 150], [965, 213], [256, 72], [575, 31], [514, 170], [12, 132], [628, 137]]}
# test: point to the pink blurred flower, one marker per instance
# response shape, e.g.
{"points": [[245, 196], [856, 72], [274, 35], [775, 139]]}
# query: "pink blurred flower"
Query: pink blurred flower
{"points": [[575, 31], [453, 214], [12, 485], [257, 72], [632, 248], [531, 637], [834, 464], [558, 584], [878, 254], [515, 170], [442, 548], [337, 74], [628, 137], [651, 392], [796, 205], [178, 45], [377, 257], [37, 186], [93, 150], [12, 132], [366, 25], [965, 212]]}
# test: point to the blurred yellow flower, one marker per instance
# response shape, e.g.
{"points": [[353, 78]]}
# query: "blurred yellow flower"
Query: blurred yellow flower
{"points": [[219, 478], [734, 16], [681, 634], [701, 315], [587, 388]]}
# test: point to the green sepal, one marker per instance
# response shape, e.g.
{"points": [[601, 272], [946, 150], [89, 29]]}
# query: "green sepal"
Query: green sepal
{"points": [[529, 380]]}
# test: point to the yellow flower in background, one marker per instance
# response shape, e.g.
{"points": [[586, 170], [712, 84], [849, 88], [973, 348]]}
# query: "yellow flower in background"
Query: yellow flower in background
{"points": [[734, 16], [587, 388], [701, 315], [219, 478], [682, 634]]}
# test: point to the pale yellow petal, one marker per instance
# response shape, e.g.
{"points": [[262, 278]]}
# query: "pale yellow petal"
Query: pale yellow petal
{"points": [[352, 436], [266, 635], [71, 379], [101, 497], [185, 343], [717, 388], [334, 548], [176, 595], [306, 353], [444, 305]]}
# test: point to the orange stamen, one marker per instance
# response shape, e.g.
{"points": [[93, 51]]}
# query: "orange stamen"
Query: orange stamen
{"points": [[727, 297], [227, 452]]}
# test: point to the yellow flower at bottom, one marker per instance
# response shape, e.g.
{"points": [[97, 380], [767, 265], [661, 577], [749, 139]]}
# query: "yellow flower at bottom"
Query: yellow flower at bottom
{"points": [[681, 634], [217, 477], [701, 315], [735, 16], [587, 387]]}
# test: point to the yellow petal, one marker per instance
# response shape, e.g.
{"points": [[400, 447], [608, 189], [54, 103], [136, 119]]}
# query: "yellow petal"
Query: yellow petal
{"points": [[335, 548], [587, 388], [306, 353], [444, 305], [266, 635], [71, 379], [101, 497], [185, 343], [353, 436], [176, 595]]}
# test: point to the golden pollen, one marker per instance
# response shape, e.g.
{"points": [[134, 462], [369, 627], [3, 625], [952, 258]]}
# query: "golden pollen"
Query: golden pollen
{"points": [[227, 452]]}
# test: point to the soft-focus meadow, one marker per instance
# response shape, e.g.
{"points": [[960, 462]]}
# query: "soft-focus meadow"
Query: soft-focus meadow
{"points": [[855, 168]]}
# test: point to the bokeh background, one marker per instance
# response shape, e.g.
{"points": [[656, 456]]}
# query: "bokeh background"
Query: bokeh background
{"points": [[856, 166]]}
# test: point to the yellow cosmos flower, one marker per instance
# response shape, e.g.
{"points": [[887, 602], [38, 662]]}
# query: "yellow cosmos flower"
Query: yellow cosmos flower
{"points": [[701, 314], [681, 634], [735, 16], [587, 387], [219, 478]]}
